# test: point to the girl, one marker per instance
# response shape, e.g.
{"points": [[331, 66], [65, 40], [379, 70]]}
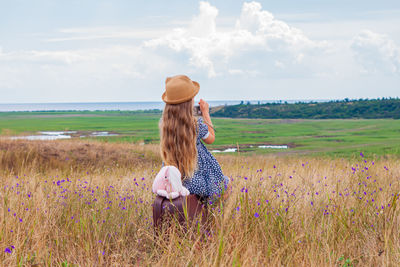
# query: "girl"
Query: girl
{"points": [[180, 139]]}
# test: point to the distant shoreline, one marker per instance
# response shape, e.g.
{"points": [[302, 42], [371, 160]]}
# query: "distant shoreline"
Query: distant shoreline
{"points": [[122, 106]]}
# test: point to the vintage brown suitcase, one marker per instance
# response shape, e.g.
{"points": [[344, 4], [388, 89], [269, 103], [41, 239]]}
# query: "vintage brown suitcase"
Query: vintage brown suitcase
{"points": [[195, 209]]}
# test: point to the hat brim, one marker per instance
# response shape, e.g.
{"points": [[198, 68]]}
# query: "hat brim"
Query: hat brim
{"points": [[196, 86]]}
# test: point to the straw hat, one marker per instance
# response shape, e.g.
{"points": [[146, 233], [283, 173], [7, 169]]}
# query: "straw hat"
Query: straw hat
{"points": [[179, 89]]}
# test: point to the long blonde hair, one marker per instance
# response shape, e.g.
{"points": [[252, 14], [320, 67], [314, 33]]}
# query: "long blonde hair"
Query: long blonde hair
{"points": [[178, 137]]}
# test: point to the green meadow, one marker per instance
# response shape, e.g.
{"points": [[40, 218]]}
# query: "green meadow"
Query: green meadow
{"points": [[333, 137]]}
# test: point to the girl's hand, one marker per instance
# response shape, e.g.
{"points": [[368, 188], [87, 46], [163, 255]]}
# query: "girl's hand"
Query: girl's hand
{"points": [[204, 107]]}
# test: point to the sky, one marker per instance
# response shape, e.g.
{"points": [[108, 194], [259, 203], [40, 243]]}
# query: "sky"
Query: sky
{"points": [[123, 50]]}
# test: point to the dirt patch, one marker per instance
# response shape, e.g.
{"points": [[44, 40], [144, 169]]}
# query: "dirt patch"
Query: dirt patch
{"points": [[291, 120], [68, 155], [90, 133]]}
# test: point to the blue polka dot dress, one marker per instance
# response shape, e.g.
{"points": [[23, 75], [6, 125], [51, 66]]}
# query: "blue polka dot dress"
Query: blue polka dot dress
{"points": [[208, 180]]}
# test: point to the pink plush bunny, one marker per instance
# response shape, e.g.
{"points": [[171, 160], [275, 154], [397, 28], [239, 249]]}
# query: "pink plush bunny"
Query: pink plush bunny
{"points": [[168, 183]]}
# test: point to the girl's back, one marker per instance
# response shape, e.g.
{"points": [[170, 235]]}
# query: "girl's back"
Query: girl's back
{"points": [[180, 139]]}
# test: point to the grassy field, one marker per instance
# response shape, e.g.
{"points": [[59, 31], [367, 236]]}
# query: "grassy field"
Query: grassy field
{"points": [[341, 138], [88, 203]]}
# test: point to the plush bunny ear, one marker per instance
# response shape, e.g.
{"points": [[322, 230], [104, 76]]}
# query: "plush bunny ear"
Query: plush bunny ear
{"points": [[175, 178], [159, 180]]}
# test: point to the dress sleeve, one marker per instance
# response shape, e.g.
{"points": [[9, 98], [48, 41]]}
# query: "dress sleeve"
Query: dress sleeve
{"points": [[203, 129]]}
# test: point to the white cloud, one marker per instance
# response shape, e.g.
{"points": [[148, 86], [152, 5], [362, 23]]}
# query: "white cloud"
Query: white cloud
{"points": [[252, 52], [46, 57], [200, 35], [98, 33], [101, 74], [376, 52], [275, 34], [130, 59], [256, 30], [204, 24], [279, 64], [243, 72]]}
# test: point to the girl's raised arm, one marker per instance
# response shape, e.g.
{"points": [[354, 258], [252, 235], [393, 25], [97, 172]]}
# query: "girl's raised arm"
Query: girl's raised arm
{"points": [[205, 110]]}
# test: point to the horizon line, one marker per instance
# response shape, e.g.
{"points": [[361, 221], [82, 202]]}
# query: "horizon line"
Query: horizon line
{"points": [[214, 100]]}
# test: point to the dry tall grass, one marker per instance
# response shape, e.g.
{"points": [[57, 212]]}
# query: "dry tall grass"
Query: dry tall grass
{"points": [[94, 209]]}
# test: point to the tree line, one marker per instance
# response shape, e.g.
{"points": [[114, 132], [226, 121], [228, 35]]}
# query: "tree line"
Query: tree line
{"points": [[336, 109]]}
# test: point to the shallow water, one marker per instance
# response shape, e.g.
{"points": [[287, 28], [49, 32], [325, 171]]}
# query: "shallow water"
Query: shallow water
{"points": [[232, 149], [102, 134], [224, 151], [54, 135], [42, 137], [274, 146]]}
